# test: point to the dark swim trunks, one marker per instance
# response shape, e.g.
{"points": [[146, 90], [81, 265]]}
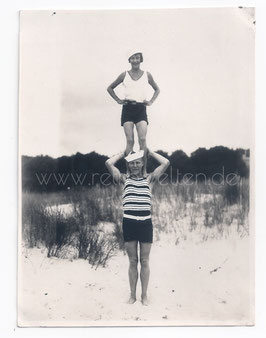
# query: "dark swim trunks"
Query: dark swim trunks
{"points": [[134, 112], [134, 230]]}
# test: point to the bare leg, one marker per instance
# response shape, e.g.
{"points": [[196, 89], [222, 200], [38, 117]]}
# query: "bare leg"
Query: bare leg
{"points": [[129, 131], [131, 248], [142, 132], [145, 249]]}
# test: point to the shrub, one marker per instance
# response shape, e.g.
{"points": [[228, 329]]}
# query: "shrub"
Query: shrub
{"points": [[231, 194], [59, 232]]}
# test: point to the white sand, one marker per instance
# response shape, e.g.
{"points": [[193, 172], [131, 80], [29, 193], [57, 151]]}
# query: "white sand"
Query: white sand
{"points": [[182, 289]]}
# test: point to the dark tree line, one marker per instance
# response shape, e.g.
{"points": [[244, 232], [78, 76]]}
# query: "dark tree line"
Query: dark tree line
{"points": [[44, 173]]}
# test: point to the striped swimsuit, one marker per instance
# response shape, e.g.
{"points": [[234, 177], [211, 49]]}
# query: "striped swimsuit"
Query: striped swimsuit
{"points": [[137, 224], [137, 197]]}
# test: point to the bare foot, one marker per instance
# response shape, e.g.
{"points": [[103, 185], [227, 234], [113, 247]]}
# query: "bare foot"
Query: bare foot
{"points": [[144, 301], [131, 300]]}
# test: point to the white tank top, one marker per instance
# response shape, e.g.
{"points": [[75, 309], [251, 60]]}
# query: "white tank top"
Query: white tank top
{"points": [[136, 90]]}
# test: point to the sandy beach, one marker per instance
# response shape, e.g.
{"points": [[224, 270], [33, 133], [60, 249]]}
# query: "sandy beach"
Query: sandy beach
{"points": [[191, 283]]}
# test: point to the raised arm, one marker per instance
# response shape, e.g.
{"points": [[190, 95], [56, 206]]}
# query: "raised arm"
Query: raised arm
{"points": [[114, 171], [113, 85], [164, 163], [155, 87]]}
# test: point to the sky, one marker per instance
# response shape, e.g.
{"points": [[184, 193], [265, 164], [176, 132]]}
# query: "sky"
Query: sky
{"points": [[201, 59]]}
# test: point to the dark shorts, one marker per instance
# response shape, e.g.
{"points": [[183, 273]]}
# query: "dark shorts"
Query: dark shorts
{"points": [[134, 113], [134, 230]]}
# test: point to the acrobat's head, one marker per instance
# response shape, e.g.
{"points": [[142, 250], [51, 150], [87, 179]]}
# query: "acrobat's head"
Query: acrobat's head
{"points": [[135, 57], [135, 163]]}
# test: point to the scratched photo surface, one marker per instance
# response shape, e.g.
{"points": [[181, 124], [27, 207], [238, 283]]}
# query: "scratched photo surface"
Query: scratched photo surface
{"points": [[197, 79]]}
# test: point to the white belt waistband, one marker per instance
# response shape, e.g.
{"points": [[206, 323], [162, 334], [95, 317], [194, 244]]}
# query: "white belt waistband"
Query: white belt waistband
{"points": [[138, 218]]}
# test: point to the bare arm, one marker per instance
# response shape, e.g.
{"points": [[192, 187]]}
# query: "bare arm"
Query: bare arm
{"points": [[164, 163], [155, 87], [113, 85], [114, 171]]}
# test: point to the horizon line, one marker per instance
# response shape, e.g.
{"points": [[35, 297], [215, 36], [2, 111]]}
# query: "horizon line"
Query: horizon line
{"points": [[169, 153]]}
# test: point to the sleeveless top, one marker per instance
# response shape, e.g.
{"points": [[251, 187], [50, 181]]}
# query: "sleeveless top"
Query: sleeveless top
{"points": [[137, 197], [136, 90]]}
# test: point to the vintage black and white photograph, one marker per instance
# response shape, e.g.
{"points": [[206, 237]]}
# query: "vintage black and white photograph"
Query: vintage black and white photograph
{"points": [[136, 173]]}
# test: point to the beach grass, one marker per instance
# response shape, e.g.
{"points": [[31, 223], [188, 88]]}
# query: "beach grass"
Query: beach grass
{"points": [[87, 223]]}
